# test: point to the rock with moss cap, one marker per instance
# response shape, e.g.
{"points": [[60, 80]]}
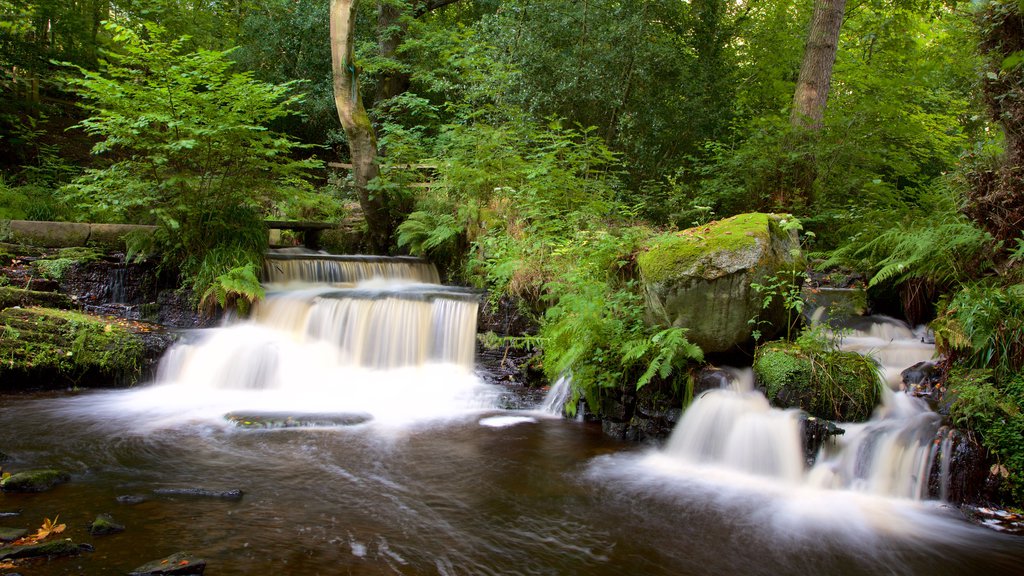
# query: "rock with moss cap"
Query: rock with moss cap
{"points": [[702, 278], [820, 380], [33, 480]]}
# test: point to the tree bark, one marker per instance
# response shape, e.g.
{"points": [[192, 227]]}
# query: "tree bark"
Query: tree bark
{"points": [[362, 142], [815, 78]]}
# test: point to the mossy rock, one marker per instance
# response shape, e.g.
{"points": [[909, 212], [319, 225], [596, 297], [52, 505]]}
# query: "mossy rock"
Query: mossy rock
{"points": [[10, 296], [178, 564], [48, 549], [104, 524], [702, 278], [44, 347], [825, 383], [33, 480]]}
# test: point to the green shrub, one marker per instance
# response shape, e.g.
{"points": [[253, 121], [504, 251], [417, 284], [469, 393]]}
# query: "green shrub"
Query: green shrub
{"points": [[995, 410], [982, 326]]}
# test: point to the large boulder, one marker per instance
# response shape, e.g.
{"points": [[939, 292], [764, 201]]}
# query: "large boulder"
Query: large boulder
{"points": [[702, 278]]}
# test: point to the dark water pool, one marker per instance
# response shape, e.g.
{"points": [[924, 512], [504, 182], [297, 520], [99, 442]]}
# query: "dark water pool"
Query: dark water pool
{"points": [[455, 496]]}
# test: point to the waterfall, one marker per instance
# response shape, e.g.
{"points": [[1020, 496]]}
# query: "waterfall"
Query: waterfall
{"points": [[554, 401], [326, 268], [890, 455], [371, 335]]}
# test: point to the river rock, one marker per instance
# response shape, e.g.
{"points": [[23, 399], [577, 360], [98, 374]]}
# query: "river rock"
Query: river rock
{"points": [[104, 524], [49, 549], [33, 480], [702, 278], [234, 494], [178, 564], [131, 499], [922, 379], [295, 419], [11, 534]]}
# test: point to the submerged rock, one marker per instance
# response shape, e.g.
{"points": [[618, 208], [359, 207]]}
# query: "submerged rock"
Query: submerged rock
{"points": [[178, 564], [234, 494], [131, 499], [11, 534], [702, 278], [33, 480], [104, 524], [295, 419], [53, 548]]}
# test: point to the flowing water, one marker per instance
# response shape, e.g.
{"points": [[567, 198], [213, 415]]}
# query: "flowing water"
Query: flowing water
{"points": [[364, 443]]}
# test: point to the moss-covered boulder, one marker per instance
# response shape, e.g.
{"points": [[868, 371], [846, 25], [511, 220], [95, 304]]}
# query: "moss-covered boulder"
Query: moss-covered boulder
{"points": [[701, 278], [34, 480], [104, 524], [824, 382], [47, 348], [10, 296], [41, 549]]}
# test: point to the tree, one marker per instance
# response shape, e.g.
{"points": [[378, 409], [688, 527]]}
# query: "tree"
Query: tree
{"points": [[815, 78], [362, 141], [190, 152]]}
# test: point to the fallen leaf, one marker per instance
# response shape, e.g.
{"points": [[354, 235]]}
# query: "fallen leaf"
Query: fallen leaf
{"points": [[183, 563]]}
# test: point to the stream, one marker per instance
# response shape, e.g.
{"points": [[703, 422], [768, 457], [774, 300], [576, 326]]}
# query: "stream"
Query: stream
{"points": [[349, 415]]}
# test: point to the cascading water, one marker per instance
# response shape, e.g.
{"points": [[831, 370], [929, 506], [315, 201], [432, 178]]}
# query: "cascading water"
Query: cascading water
{"points": [[890, 455], [367, 335]]}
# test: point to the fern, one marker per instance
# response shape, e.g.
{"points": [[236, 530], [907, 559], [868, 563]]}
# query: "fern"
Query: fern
{"points": [[942, 253], [425, 232], [239, 287]]}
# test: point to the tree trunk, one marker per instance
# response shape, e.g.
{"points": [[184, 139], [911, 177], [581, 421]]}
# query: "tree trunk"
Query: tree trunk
{"points": [[815, 78], [362, 142], [391, 29]]}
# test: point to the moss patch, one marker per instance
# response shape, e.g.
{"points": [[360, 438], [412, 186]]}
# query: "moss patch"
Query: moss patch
{"points": [[825, 383], [669, 255], [41, 347], [66, 258], [19, 297]]}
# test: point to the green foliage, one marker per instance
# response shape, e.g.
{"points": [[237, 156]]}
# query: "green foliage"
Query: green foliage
{"points": [[191, 151], [814, 375], [982, 326], [945, 250], [995, 409], [67, 258], [238, 287]]}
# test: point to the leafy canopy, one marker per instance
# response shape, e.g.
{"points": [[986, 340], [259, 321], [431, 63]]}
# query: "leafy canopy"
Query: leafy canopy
{"points": [[189, 150]]}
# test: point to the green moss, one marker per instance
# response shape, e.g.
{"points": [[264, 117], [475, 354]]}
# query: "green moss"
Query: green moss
{"points": [[19, 297], [33, 480], [56, 268], [669, 255], [47, 347], [822, 381]]}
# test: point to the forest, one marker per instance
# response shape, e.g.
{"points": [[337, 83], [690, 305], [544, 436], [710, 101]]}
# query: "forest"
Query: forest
{"points": [[529, 148]]}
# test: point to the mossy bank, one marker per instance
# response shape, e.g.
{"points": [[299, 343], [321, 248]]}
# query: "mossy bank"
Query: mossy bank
{"points": [[49, 348]]}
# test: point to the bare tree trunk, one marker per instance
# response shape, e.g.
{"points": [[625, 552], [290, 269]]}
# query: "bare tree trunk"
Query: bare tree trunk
{"points": [[362, 142], [815, 78]]}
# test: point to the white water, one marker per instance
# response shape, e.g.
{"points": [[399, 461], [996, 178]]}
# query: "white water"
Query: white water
{"points": [[734, 432], [554, 401], [393, 349]]}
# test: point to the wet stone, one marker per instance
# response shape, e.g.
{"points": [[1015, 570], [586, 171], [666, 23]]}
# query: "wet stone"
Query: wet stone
{"points": [[178, 564], [234, 494], [294, 419], [104, 524], [11, 534], [34, 480], [48, 549]]}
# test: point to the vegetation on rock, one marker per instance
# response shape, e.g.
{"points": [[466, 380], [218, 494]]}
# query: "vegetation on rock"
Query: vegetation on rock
{"points": [[67, 347], [816, 377]]}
